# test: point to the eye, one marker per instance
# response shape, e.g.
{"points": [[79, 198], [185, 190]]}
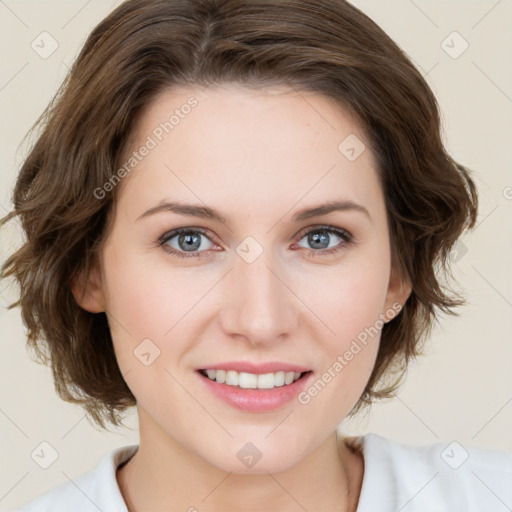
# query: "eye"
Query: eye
{"points": [[187, 242], [320, 239]]}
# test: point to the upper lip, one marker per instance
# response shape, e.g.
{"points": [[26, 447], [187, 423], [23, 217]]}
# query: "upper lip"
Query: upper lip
{"points": [[256, 368]]}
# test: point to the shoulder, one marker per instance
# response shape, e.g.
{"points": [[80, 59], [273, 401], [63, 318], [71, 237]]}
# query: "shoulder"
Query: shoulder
{"points": [[92, 491], [436, 477]]}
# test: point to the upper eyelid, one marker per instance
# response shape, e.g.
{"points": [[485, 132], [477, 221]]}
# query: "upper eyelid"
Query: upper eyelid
{"points": [[325, 227], [168, 235]]}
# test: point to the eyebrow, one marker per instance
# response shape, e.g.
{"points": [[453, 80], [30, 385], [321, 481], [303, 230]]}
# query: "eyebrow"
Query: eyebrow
{"points": [[205, 212]]}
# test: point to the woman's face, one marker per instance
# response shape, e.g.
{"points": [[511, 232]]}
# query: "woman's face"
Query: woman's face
{"points": [[267, 292]]}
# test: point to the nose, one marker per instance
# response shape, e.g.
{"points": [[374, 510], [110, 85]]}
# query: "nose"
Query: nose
{"points": [[257, 303]]}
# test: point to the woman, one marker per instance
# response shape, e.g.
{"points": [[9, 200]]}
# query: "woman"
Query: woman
{"points": [[236, 214]]}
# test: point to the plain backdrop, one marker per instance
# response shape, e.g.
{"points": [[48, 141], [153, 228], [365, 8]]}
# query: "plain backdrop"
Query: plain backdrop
{"points": [[462, 389]]}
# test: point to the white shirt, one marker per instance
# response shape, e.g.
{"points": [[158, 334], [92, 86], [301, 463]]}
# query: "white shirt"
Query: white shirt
{"points": [[397, 478]]}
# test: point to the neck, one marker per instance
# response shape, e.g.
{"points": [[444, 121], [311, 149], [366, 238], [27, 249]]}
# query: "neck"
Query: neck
{"points": [[164, 473]]}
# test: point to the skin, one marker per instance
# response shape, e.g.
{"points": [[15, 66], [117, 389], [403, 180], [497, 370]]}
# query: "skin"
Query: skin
{"points": [[258, 157]]}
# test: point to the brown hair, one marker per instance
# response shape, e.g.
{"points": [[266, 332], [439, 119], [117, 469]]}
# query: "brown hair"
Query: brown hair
{"points": [[147, 46]]}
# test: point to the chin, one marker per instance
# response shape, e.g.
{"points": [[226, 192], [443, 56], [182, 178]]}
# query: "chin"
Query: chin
{"points": [[245, 457]]}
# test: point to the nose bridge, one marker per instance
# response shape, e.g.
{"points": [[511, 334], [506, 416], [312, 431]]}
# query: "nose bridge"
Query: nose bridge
{"points": [[255, 302]]}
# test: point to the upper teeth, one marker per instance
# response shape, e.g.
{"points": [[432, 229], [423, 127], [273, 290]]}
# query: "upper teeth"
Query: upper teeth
{"points": [[251, 380]]}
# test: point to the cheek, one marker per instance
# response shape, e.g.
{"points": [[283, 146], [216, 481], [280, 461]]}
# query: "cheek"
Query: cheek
{"points": [[146, 297], [349, 299], [350, 303], [148, 300], [351, 308]]}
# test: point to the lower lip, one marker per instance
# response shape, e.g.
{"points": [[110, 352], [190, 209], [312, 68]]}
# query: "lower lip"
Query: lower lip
{"points": [[256, 400]]}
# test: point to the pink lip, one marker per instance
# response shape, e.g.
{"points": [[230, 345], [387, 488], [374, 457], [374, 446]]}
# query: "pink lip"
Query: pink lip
{"points": [[255, 400], [257, 369]]}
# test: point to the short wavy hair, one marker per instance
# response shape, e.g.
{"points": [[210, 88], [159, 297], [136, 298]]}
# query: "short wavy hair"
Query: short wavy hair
{"points": [[145, 47]]}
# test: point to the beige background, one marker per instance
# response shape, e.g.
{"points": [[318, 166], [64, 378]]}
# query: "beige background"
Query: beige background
{"points": [[462, 390]]}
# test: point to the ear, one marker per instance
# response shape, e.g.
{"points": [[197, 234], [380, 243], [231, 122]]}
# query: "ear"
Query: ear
{"points": [[399, 289], [88, 290]]}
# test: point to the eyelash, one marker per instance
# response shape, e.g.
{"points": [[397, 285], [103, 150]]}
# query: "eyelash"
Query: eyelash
{"points": [[345, 236]]}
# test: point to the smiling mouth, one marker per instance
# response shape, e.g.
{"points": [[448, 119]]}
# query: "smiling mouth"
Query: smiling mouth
{"points": [[244, 380]]}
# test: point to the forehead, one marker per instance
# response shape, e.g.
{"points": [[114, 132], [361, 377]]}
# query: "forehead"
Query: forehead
{"points": [[260, 146]]}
